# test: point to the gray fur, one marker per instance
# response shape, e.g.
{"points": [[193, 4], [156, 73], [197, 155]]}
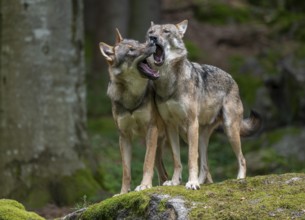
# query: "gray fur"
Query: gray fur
{"points": [[194, 99], [133, 107]]}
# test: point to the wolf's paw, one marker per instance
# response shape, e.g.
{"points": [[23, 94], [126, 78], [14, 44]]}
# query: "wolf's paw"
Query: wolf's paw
{"points": [[194, 185], [118, 194], [171, 183], [142, 187]]}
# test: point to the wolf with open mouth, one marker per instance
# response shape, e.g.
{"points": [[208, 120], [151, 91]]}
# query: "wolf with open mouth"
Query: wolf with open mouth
{"points": [[133, 106], [193, 100]]}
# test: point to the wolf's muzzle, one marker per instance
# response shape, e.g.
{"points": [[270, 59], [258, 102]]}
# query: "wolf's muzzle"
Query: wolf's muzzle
{"points": [[153, 39]]}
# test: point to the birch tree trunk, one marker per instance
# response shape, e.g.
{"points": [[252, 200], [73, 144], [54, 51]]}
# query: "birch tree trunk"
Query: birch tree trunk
{"points": [[42, 99]]}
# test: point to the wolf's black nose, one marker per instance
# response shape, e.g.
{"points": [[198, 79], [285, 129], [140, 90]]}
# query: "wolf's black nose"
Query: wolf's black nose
{"points": [[153, 39]]}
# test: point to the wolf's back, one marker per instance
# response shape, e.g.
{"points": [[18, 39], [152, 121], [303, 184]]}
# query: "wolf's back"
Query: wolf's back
{"points": [[251, 125]]}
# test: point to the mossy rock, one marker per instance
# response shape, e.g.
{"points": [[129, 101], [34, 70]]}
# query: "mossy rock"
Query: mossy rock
{"points": [[261, 197], [12, 210]]}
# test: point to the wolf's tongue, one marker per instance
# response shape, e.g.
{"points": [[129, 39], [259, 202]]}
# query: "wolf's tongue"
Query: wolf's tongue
{"points": [[148, 71]]}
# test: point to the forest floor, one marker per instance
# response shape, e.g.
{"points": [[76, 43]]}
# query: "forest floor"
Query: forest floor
{"points": [[52, 211]]}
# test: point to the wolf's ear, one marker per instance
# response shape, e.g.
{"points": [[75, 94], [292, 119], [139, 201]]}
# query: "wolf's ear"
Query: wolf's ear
{"points": [[182, 26], [118, 37], [152, 23], [107, 51]]}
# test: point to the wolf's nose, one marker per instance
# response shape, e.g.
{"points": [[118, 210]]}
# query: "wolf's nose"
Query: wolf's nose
{"points": [[153, 39]]}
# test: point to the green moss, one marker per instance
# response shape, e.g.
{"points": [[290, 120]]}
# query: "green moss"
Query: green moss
{"points": [[258, 197], [12, 210], [69, 189], [162, 205], [108, 209]]}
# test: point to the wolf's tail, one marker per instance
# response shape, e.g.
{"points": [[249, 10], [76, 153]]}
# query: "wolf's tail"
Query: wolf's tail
{"points": [[251, 125]]}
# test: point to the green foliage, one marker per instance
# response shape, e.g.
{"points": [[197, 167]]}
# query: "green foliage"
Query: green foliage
{"points": [[68, 189], [83, 204], [12, 210], [38, 196], [97, 101], [194, 52], [103, 125], [263, 158], [247, 82], [288, 23], [216, 12]]}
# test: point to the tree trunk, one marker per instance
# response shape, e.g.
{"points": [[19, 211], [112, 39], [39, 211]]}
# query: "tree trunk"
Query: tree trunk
{"points": [[101, 19], [42, 104], [141, 14]]}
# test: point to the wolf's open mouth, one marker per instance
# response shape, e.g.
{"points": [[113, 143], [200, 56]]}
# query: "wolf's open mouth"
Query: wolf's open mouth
{"points": [[147, 71], [159, 55]]}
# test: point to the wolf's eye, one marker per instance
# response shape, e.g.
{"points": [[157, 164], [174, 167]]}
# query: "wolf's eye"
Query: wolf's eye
{"points": [[150, 32], [166, 31]]}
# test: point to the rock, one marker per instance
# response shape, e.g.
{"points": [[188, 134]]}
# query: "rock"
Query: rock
{"points": [[260, 197], [292, 146], [278, 150]]}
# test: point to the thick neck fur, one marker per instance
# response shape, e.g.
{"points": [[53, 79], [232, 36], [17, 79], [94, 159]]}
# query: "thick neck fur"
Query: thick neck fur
{"points": [[127, 88], [170, 73]]}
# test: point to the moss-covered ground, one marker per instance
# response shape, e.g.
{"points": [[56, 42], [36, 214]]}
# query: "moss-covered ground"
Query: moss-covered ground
{"points": [[261, 197], [12, 210]]}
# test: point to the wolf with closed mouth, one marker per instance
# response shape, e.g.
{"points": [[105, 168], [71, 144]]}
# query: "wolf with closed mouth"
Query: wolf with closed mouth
{"points": [[133, 105], [193, 100]]}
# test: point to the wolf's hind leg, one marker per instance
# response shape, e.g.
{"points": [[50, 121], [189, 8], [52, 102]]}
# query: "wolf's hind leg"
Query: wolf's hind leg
{"points": [[162, 174], [232, 120]]}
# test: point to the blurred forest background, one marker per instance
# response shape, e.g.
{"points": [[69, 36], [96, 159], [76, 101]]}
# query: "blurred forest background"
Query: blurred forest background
{"points": [[58, 141]]}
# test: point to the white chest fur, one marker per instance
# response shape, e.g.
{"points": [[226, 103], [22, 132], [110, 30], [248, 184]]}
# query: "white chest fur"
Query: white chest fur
{"points": [[173, 112], [135, 122]]}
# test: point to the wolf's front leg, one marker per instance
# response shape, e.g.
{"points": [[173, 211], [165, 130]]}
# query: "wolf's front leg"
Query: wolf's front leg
{"points": [[148, 166], [192, 134], [125, 148], [173, 136], [204, 172]]}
